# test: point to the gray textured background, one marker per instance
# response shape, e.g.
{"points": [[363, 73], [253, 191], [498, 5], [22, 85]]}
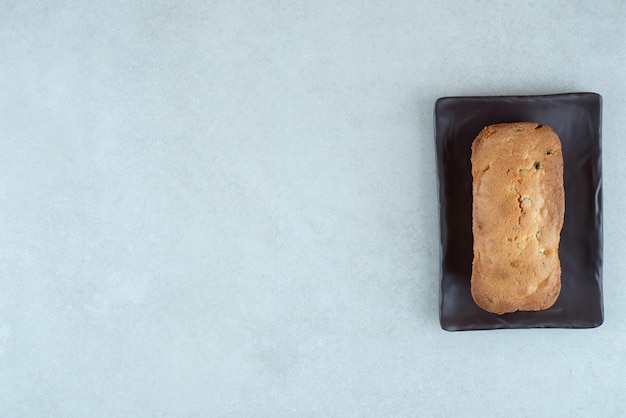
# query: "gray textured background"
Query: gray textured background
{"points": [[229, 208]]}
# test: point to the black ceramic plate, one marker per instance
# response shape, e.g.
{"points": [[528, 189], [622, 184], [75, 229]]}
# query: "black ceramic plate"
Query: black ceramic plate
{"points": [[576, 117]]}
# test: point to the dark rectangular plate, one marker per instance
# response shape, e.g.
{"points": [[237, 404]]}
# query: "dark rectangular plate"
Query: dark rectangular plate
{"points": [[576, 118]]}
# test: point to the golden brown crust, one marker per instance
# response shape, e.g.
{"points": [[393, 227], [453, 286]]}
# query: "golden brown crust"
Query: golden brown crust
{"points": [[518, 208]]}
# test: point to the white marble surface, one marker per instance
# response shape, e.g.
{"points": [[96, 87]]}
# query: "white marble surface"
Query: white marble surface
{"points": [[229, 208]]}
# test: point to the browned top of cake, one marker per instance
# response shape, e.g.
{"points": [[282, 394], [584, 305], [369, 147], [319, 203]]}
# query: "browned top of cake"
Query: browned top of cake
{"points": [[518, 207]]}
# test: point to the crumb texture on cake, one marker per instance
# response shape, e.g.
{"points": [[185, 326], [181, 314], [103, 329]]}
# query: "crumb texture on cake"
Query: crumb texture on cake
{"points": [[518, 208]]}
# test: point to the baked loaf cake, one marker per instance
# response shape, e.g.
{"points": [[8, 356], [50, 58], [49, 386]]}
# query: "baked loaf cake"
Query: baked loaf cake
{"points": [[518, 207]]}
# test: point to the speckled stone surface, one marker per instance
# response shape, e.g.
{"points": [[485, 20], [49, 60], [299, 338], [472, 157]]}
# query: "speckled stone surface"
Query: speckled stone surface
{"points": [[230, 208]]}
